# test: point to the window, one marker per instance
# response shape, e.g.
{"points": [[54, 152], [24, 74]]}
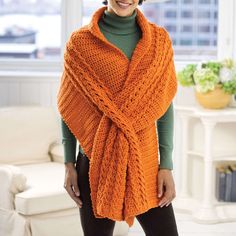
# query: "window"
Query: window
{"points": [[185, 42], [72, 9], [187, 14], [204, 29], [204, 14], [172, 2], [173, 41], [215, 28], [196, 26], [204, 42], [30, 28], [171, 28], [170, 14], [204, 1], [187, 28], [187, 1]]}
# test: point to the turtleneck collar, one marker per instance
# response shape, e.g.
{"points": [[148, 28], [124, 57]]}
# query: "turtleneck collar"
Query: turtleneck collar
{"points": [[116, 24]]}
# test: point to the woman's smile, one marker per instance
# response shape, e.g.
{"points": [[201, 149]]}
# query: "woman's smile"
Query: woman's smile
{"points": [[123, 5]]}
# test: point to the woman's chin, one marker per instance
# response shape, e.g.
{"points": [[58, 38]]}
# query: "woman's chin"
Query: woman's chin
{"points": [[123, 13]]}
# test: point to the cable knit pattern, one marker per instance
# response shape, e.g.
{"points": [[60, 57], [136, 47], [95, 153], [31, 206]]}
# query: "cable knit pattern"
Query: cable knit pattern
{"points": [[111, 105]]}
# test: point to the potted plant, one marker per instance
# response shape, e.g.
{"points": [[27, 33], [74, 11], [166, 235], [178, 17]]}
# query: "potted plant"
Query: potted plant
{"points": [[214, 82]]}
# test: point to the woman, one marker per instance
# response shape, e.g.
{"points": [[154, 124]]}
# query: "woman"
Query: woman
{"points": [[118, 80]]}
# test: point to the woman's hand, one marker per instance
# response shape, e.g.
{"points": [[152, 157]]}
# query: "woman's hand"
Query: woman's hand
{"points": [[166, 187], [71, 184]]}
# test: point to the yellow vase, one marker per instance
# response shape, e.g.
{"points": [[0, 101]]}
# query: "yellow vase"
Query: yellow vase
{"points": [[215, 99]]}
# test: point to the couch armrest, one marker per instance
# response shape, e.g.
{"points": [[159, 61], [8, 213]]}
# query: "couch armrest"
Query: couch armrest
{"points": [[56, 152], [12, 181]]}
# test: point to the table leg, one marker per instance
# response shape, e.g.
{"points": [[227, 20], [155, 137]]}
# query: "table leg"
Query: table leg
{"points": [[207, 213]]}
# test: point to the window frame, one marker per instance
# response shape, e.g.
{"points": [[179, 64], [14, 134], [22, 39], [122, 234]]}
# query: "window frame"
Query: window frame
{"points": [[71, 18], [226, 38]]}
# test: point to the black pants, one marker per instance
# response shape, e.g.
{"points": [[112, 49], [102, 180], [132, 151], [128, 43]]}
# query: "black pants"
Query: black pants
{"points": [[155, 222]]}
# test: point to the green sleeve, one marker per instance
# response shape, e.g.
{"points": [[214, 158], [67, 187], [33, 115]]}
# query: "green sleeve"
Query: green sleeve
{"points": [[69, 143], [165, 128]]}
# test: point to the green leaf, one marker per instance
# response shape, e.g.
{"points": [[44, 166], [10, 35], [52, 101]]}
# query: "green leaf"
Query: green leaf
{"points": [[230, 86], [185, 77]]}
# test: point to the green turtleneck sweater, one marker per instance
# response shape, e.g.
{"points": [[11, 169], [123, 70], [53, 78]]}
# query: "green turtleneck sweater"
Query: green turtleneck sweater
{"points": [[124, 33]]}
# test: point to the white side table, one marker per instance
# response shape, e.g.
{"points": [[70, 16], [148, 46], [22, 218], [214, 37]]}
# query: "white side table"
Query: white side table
{"points": [[209, 210]]}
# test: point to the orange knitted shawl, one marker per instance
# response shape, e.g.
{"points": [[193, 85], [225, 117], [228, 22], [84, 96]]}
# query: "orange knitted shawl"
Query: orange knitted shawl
{"points": [[111, 105]]}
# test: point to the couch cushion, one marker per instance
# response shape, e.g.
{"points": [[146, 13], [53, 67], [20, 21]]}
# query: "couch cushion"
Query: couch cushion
{"points": [[45, 191], [27, 133], [57, 152]]}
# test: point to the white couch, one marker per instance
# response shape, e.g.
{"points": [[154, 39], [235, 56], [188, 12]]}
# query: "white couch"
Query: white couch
{"points": [[33, 200]]}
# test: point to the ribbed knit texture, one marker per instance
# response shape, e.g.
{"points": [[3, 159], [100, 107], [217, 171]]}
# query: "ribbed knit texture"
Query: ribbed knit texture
{"points": [[124, 33], [114, 119]]}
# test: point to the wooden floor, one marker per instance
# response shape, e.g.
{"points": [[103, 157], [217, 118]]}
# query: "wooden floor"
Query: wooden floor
{"points": [[187, 227]]}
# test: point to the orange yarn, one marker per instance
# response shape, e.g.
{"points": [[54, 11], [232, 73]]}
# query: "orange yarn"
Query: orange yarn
{"points": [[111, 105]]}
